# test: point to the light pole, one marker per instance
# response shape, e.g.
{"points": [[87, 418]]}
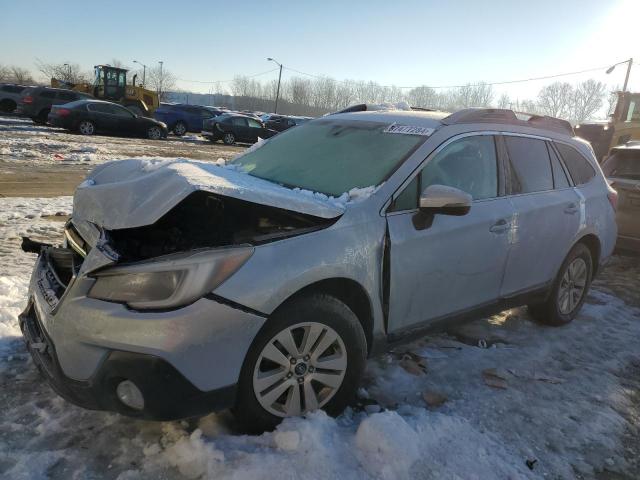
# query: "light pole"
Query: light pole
{"points": [[275, 110], [160, 80], [626, 78], [144, 71]]}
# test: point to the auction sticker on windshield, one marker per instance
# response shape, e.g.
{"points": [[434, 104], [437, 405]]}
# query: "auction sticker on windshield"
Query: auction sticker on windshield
{"points": [[408, 130]]}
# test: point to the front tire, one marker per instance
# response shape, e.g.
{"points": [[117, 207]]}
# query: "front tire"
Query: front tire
{"points": [[569, 290], [229, 138], [180, 129], [154, 133], [309, 355], [86, 127]]}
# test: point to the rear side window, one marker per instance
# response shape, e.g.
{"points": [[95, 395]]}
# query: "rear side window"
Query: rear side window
{"points": [[238, 122], [579, 167], [559, 177], [48, 94], [530, 165], [67, 96]]}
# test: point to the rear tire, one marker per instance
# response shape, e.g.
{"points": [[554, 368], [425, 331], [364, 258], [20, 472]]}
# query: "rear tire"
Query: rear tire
{"points": [[7, 106], [348, 352], [41, 118], [569, 289], [179, 129], [86, 127], [229, 138]]}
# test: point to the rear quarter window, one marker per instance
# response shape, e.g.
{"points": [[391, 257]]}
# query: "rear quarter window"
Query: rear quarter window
{"points": [[48, 94], [579, 167]]}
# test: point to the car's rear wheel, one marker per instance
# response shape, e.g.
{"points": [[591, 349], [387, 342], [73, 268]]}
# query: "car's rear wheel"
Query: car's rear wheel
{"points": [[41, 118], [7, 105], [229, 138], [569, 290], [86, 127], [310, 355], [154, 133], [180, 129]]}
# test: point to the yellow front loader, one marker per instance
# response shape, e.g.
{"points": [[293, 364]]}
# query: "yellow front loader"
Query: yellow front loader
{"points": [[110, 83]]}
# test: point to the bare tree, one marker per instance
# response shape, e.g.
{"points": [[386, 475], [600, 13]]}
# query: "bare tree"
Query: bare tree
{"points": [[556, 100], [21, 75], [504, 101], [422, 97], [116, 63], [587, 99], [161, 80], [67, 72]]}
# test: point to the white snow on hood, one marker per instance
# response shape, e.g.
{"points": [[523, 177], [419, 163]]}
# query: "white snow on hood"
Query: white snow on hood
{"points": [[137, 192]]}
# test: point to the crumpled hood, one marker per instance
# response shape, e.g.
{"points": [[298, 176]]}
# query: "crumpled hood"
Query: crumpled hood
{"points": [[137, 192]]}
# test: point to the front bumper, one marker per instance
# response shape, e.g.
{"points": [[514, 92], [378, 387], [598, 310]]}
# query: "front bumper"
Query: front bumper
{"points": [[185, 361]]}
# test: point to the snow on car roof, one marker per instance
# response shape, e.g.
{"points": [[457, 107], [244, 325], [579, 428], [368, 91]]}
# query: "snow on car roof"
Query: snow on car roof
{"points": [[412, 117]]}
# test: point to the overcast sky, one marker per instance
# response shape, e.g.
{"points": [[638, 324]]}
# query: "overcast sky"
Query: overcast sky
{"points": [[405, 43]]}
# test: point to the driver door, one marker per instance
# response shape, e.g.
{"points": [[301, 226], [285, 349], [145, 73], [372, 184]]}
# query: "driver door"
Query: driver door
{"points": [[442, 265]]}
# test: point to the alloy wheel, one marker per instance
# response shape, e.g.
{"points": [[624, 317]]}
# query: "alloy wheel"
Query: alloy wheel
{"points": [[572, 286], [180, 129], [229, 138], [155, 133], [300, 369], [86, 128]]}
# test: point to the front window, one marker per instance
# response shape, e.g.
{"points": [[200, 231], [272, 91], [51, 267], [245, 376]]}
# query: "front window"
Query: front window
{"points": [[331, 156]]}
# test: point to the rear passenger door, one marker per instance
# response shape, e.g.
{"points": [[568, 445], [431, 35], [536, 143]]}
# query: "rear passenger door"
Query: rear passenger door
{"points": [[240, 128], [546, 213]]}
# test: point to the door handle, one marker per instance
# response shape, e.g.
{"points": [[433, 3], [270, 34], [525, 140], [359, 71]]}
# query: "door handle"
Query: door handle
{"points": [[571, 209], [500, 226]]}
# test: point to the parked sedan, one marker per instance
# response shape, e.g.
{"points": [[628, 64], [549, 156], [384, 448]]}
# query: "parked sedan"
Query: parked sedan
{"points": [[93, 116], [10, 96], [232, 128], [622, 169], [184, 118], [281, 123]]}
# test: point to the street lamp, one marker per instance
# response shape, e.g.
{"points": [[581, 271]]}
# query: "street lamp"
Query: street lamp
{"points": [[144, 71], [275, 110], [626, 78]]}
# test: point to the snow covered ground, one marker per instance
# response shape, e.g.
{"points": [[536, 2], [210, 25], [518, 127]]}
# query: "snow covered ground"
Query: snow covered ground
{"points": [[499, 398], [21, 141], [564, 401]]}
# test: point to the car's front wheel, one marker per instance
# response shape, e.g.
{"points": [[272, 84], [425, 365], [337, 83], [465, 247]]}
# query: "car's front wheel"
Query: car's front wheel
{"points": [[154, 133], [180, 129], [569, 290], [310, 355], [229, 138], [86, 127]]}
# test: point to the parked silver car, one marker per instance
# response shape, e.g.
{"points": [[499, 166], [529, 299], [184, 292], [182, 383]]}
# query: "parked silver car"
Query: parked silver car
{"points": [[264, 284]]}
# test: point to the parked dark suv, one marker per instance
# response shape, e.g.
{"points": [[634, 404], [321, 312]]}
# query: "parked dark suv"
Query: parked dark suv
{"points": [[9, 96], [281, 123], [232, 128], [36, 102]]}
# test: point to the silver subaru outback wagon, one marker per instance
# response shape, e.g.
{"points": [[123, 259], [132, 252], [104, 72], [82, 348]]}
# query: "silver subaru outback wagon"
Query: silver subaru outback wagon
{"points": [[264, 284]]}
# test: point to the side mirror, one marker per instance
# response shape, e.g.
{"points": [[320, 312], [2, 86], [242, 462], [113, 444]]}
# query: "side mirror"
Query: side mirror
{"points": [[445, 200]]}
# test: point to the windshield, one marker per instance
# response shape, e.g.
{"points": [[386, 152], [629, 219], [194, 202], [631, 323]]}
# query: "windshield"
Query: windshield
{"points": [[330, 156], [623, 165]]}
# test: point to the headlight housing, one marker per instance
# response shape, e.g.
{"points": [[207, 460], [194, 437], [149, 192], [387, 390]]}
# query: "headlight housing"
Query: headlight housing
{"points": [[170, 281]]}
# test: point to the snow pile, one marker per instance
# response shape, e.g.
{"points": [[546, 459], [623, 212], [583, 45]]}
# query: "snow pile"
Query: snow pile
{"points": [[388, 106], [562, 411]]}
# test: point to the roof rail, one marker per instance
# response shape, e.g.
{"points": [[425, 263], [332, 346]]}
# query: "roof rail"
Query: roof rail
{"points": [[500, 115]]}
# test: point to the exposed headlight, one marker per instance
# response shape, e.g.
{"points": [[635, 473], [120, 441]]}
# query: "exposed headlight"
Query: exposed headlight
{"points": [[169, 281]]}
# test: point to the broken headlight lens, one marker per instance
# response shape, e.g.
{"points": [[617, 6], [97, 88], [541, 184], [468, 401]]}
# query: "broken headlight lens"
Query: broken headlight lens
{"points": [[170, 281]]}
